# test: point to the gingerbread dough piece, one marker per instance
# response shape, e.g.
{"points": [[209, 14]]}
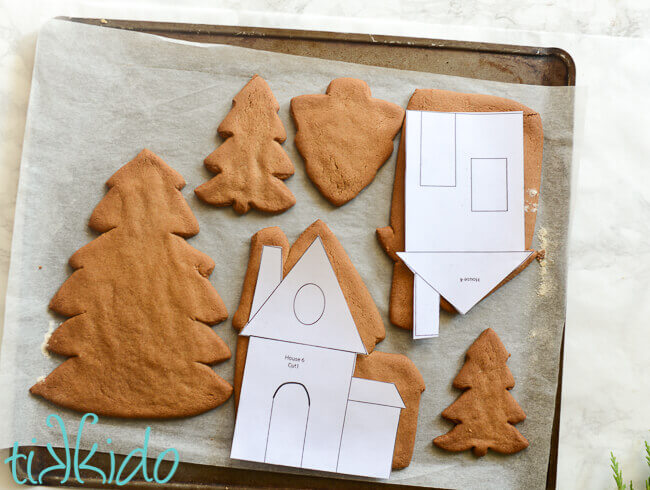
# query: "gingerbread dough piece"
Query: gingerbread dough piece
{"points": [[398, 369], [391, 237], [250, 164], [139, 304], [362, 307], [344, 136], [486, 411], [380, 366]]}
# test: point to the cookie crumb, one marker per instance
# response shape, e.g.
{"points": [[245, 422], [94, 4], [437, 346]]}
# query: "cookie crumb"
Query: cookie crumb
{"points": [[530, 208], [543, 289], [46, 338], [40, 267], [103, 21], [545, 285]]}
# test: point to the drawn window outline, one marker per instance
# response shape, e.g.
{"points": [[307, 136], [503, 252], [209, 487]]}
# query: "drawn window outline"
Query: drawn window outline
{"points": [[471, 186], [455, 184], [268, 432], [322, 312]]}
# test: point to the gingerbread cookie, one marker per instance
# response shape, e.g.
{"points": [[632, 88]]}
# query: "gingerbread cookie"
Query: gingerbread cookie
{"points": [[250, 164], [344, 136], [398, 369], [391, 237], [486, 411], [362, 307], [139, 304], [379, 366]]}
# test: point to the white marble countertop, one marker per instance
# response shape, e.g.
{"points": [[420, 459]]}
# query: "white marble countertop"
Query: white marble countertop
{"points": [[606, 386]]}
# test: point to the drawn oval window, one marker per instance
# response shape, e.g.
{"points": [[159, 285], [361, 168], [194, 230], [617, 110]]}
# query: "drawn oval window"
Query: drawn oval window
{"points": [[309, 304]]}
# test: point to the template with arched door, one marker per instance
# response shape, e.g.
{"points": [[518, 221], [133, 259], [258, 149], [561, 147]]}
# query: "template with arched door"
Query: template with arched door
{"points": [[287, 425]]}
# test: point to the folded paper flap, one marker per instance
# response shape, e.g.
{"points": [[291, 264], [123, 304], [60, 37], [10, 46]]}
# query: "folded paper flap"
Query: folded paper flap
{"points": [[376, 392]]}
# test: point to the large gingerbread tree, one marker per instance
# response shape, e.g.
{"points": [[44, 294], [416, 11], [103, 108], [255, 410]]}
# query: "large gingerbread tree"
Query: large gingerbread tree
{"points": [[485, 413], [139, 303], [250, 164]]}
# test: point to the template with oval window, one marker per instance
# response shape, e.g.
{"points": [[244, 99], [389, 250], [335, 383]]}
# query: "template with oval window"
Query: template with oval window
{"points": [[288, 425], [299, 403], [309, 295]]}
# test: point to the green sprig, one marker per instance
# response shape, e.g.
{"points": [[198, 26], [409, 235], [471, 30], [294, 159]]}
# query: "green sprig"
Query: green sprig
{"points": [[647, 458], [618, 473]]}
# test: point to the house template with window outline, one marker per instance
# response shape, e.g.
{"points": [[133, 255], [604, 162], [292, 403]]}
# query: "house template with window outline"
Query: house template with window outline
{"points": [[299, 404], [464, 208]]}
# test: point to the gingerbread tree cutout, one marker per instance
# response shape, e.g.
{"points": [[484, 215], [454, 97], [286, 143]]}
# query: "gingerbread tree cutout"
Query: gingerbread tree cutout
{"points": [[250, 164], [140, 306], [485, 413]]}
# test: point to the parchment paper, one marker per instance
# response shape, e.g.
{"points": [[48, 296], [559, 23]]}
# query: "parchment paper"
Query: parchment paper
{"points": [[100, 95]]}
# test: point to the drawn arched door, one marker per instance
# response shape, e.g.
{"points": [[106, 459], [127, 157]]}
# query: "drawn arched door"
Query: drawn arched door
{"points": [[287, 425]]}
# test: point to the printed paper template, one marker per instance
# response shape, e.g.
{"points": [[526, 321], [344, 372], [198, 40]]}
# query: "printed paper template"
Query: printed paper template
{"points": [[464, 205], [299, 404]]}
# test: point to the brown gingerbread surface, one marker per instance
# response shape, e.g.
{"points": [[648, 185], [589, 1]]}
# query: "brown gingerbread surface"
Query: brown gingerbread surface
{"points": [[392, 237], [486, 411], [250, 164], [140, 306], [379, 366], [344, 136]]}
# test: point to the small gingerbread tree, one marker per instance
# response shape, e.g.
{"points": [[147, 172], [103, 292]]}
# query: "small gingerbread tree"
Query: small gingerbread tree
{"points": [[139, 304], [250, 165], [485, 412]]}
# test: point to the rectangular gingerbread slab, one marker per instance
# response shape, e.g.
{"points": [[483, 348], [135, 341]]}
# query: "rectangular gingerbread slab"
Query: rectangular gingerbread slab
{"points": [[319, 46]]}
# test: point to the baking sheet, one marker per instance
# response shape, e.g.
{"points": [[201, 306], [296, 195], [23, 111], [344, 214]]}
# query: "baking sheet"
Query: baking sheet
{"points": [[100, 95]]}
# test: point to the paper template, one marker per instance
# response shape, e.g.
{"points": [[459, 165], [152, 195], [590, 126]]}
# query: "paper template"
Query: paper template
{"points": [[307, 307], [268, 277], [299, 404], [464, 205], [426, 316]]}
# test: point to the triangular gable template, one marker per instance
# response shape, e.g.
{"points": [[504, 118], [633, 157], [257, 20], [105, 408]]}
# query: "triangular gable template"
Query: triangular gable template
{"points": [[463, 278], [308, 307], [464, 208]]}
